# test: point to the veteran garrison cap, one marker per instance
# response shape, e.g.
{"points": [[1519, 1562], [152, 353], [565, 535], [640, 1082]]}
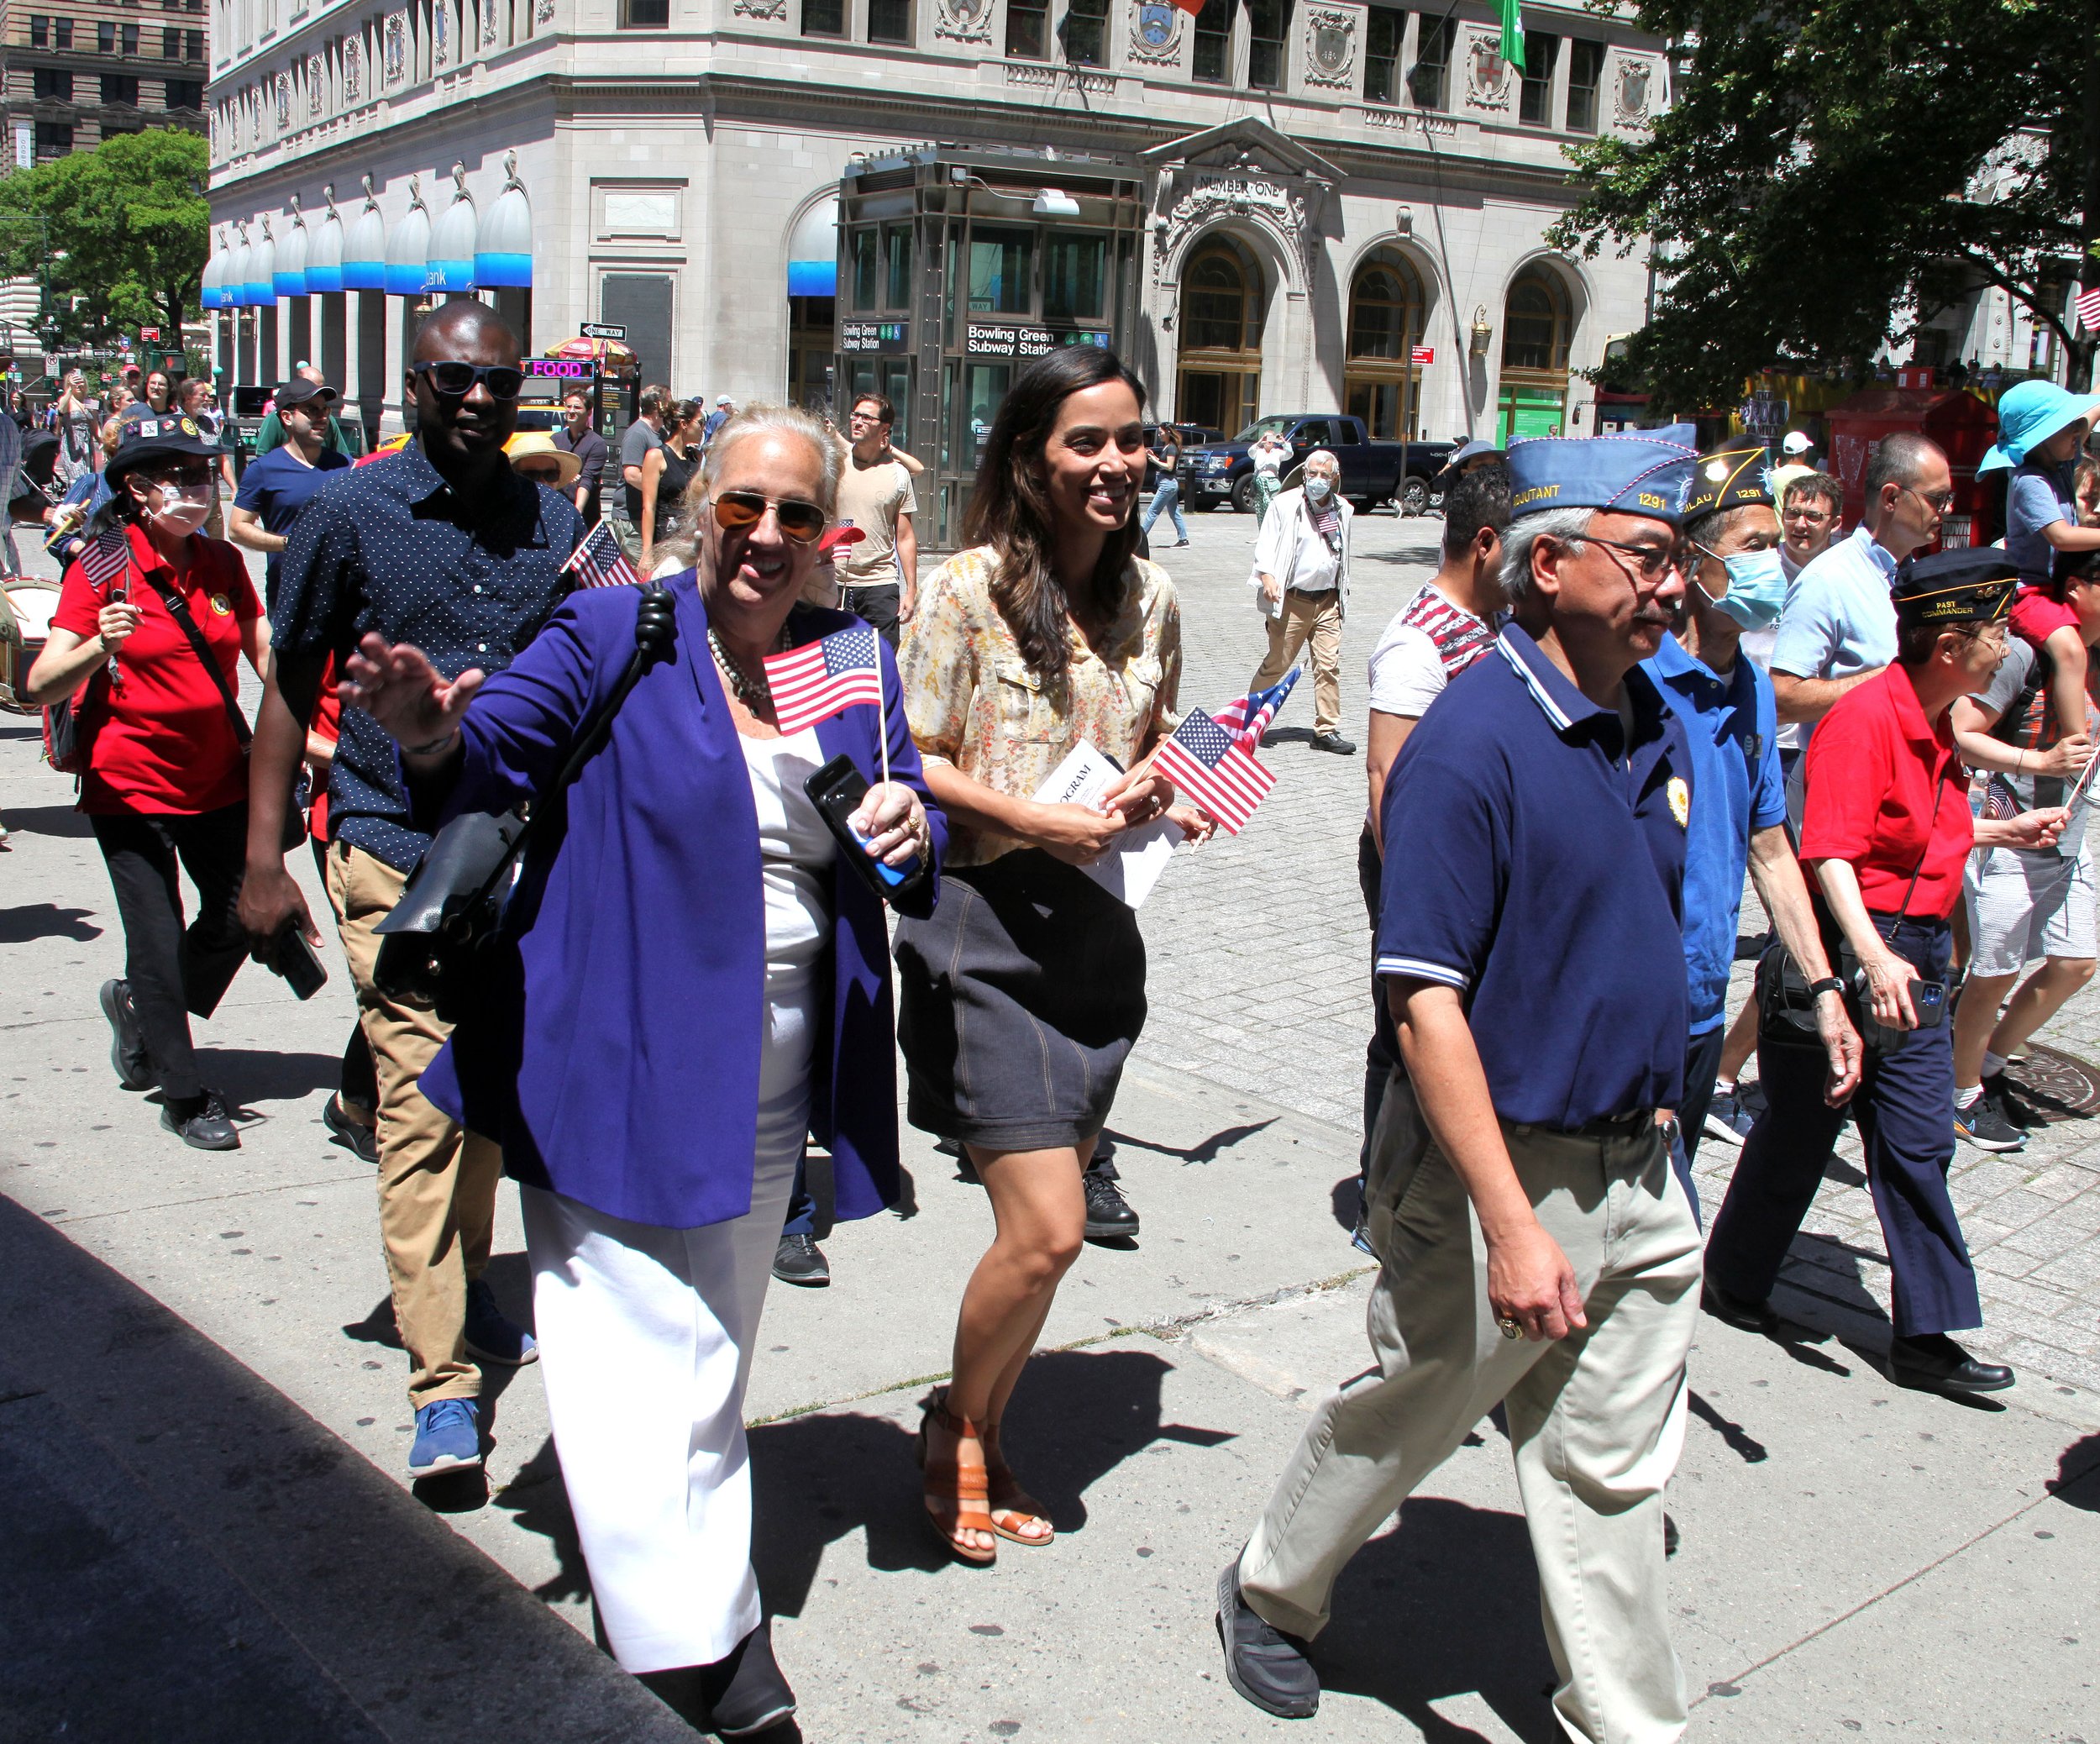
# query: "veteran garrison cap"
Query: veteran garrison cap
{"points": [[1966, 585], [1643, 472], [1726, 478], [170, 435]]}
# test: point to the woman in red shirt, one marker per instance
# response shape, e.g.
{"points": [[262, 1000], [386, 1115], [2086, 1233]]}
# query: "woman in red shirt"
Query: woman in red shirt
{"points": [[1886, 832], [166, 778]]}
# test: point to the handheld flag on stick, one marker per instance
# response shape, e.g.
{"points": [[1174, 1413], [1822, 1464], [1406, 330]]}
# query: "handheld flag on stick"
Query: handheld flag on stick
{"points": [[1247, 719], [1211, 766], [103, 562], [1513, 34], [817, 681], [599, 561]]}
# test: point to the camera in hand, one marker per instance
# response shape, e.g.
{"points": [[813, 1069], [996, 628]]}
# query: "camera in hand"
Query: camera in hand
{"points": [[289, 954]]}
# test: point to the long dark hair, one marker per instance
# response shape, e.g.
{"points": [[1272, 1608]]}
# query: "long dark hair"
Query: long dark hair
{"points": [[1010, 507]]}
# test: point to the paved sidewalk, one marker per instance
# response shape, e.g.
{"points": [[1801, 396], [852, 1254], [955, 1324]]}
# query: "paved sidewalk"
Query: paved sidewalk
{"points": [[1850, 1559]]}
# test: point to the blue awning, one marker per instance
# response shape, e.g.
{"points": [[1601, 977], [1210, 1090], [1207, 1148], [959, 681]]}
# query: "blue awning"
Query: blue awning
{"points": [[813, 251]]}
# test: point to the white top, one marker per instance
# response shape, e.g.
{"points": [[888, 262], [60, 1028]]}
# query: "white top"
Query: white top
{"points": [[1290, 548], [1407, 669], [796, 850], [1268, 457]]}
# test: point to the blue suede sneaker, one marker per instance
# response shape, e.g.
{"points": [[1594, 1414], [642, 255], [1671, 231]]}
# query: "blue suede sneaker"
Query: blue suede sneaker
{"points": [[448, 1438], [491, 1335]]}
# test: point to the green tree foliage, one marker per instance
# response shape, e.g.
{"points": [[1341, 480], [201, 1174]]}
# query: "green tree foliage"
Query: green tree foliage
{"points": [[125, 239], [1833, 172]]}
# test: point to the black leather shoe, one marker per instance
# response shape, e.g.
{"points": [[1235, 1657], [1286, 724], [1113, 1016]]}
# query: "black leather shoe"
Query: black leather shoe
{"points": [[358, 1138], [1109, 1216], [799, 1260], [1934, 1363], [1265, 1665], [206, 1127], [128, 1054], [1738, 1311], [746, 1693], [1334, 742]]}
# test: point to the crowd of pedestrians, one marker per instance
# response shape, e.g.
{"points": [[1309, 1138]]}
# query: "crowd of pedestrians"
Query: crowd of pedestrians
{"points": [[1577, 749]]}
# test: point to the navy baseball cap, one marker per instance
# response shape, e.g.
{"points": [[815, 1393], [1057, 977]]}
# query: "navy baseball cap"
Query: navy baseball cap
{"points": [[1643, 472]]}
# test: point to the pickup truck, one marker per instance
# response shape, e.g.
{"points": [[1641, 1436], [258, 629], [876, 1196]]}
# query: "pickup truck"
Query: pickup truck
{"points": [[1214, 473]]}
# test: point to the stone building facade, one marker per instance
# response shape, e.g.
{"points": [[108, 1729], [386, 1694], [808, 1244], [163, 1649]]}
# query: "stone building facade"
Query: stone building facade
{"points": [[1343, 205], [74, 72]]}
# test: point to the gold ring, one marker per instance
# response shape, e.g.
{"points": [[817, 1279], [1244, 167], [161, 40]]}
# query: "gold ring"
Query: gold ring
{"points": [[1510, 1328]]}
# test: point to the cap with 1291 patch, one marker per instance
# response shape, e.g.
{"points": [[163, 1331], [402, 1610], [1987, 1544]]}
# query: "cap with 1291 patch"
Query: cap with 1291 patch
{"points": [[1643, 472], [1727, 478]]}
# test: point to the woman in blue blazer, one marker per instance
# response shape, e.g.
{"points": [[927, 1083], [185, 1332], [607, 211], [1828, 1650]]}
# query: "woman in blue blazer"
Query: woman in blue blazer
{"points": [[691, 981]]}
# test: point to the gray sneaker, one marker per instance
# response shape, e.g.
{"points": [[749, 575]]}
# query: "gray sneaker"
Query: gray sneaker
{"points": [[1265, 1665]]}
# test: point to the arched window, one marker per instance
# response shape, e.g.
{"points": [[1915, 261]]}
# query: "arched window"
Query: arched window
{"points": [[1385, 311], [1535, 323], [1221, 298]]}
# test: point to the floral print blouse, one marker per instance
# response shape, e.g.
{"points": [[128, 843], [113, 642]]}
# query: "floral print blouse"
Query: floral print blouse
{"points": [[973, 702]]}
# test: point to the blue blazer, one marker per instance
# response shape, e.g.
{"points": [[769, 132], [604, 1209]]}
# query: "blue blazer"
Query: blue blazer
{"points": [[616, 1058]]}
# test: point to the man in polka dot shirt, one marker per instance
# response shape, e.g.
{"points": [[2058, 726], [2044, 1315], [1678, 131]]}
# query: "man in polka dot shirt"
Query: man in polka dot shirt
{"points": [[443, 545]]}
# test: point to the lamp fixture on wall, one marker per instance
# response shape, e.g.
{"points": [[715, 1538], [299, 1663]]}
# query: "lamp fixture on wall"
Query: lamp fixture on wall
{"points": [[1481, 332], [1055, 202]]}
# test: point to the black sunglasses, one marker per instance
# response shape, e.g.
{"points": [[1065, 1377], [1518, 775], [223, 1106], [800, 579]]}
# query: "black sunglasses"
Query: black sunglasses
{"points": [[455, 380]]}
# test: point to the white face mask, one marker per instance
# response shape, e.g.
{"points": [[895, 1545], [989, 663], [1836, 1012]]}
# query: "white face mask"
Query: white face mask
{"points": [[182, 508], [1317, 485]]}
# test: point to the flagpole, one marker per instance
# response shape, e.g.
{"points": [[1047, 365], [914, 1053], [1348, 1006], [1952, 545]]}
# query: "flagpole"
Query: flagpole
{"points": [[882, 715]]}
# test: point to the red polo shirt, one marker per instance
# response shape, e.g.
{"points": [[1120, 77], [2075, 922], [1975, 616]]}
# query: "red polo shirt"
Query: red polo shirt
{"points": [[162, 742], [1873, 768]]}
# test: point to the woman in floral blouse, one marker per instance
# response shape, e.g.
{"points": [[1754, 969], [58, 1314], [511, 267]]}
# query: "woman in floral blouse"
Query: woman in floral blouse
{"points": [[1023, 992]]}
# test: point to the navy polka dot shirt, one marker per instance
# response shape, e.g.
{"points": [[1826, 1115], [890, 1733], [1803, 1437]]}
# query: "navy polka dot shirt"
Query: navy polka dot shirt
{"points": [[390, 547]]}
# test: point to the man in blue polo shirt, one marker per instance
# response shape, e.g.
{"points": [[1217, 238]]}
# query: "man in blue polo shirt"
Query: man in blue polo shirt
{"points": [[1738, 802], [1520, 1188]]}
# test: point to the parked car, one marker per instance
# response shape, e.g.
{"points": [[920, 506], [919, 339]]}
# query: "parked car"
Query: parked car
{"points": [[1371, 472]]}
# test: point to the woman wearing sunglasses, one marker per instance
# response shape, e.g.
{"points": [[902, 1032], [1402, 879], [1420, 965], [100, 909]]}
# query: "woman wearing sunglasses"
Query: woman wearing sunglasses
{"points": [[708, 982], [1023, 993]]}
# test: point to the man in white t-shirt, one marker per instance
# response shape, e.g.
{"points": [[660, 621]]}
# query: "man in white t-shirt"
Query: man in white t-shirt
{"points": [[1448, 625], [878, 576]]}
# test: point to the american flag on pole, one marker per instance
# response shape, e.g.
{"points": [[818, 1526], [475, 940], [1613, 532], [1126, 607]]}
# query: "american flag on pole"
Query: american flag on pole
{"points": [[1247, 719], [106, 558], [2088, 307], [1210, 767], [1999, 801], [814, 682], [599, 561]]}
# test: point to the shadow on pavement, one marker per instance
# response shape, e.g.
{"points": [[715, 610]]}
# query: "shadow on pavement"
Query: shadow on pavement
{"points": [[1206, 1151], [250, 1075], [50, 821], [186, 1557], [1446, 1605], [45, 920], [2077, 1479]]}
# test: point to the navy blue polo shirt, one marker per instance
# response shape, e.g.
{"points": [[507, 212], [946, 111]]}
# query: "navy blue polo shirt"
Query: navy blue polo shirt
{"points": [[1534, 860], [1732, 725], [276, 487], [391, 548]]}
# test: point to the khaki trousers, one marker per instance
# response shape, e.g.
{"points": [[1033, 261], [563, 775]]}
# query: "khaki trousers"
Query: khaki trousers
{"points": [[1313, 618], [1595, 1422], [437, 1184]]}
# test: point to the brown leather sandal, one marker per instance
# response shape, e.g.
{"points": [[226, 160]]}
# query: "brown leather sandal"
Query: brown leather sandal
{"points": [[952, 1482], [1012, 1507]]}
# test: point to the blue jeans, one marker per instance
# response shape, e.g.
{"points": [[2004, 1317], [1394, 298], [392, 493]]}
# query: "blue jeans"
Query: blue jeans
{"points": [[1167, 497]]}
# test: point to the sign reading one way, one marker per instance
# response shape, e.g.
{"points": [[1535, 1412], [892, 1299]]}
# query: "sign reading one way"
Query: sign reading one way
{"points": [[603, 330]]}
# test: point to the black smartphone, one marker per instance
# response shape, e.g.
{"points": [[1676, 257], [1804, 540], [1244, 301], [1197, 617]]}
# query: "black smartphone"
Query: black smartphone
{"points": [[837, 790], [292, 957]]}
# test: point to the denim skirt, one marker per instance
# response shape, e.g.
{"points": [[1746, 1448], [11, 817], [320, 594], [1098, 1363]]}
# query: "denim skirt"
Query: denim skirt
{"points": [[1020, 998]]}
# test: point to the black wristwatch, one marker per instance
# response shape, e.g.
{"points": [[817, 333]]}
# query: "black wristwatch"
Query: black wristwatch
{"points": [[1829, 983]]}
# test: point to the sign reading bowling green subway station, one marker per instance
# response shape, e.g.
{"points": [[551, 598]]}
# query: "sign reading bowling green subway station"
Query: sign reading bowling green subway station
{"points": [[1006, 339], [893, 338]]}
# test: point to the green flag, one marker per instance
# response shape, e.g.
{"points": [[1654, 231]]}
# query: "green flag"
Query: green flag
{"points": [[1512, 35]]}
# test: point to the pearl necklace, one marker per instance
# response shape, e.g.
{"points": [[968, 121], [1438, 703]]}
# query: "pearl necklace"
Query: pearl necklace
{"points": [[754, 693]]}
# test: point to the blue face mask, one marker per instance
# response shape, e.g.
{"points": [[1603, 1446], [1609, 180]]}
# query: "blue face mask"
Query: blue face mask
{"points": [[1756, 588]]}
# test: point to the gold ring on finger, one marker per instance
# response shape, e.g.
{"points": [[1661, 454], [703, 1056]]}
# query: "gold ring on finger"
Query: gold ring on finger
{"points": [[1511, 1327]]}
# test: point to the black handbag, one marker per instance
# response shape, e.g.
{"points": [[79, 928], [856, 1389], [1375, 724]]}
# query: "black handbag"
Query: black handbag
{"points": [[435, 946]]}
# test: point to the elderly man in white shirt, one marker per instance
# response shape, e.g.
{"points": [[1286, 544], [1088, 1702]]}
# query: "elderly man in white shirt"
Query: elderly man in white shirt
{"points": [[1301, 582]]}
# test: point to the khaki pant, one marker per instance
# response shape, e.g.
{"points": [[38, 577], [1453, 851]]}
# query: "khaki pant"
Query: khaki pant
{"points": [[1313, 618], [1595, 1420], [437, 1184]]}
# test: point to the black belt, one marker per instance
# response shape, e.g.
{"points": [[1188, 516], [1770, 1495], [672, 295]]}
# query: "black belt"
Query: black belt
{"points": [[1630, 1125]]}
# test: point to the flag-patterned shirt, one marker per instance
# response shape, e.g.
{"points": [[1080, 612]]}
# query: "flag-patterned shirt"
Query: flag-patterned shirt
{"points": [[973, 700], [1428, 642]]}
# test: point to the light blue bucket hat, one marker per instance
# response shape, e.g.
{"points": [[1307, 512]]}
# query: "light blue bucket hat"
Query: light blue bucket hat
{"points": [[2030, 414]]}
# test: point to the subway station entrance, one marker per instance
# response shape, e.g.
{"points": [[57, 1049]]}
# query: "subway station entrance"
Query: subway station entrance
{"points": [[956, 266]]}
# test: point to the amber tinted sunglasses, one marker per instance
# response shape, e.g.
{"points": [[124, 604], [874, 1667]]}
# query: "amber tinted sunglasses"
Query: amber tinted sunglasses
{"points": [[801, 521]]}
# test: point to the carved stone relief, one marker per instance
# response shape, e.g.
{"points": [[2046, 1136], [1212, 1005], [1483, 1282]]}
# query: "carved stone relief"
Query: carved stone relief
{"points": [[317, 83], [760, 8], [961, 20], [1331, 48], [1489, 77], [1155, 37], [396, 47], [441, 33], [488, 24], [1195, 198], [543, 12], [1630, 90], [353, 71], [284, 102], [1412, 121]]}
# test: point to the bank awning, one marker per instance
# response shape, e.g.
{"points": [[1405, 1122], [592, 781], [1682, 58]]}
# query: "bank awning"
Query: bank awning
{"points": [[813, 251]]}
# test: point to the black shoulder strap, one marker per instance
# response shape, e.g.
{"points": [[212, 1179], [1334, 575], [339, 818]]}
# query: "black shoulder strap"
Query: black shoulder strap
{"points": [[179, 609]]}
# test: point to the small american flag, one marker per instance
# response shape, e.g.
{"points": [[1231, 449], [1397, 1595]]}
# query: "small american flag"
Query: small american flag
{"points": [[814, 682], [1999, 801], [1247, 719], [599, 561], [2088, 307], [107, 559], [1211, 766]]}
